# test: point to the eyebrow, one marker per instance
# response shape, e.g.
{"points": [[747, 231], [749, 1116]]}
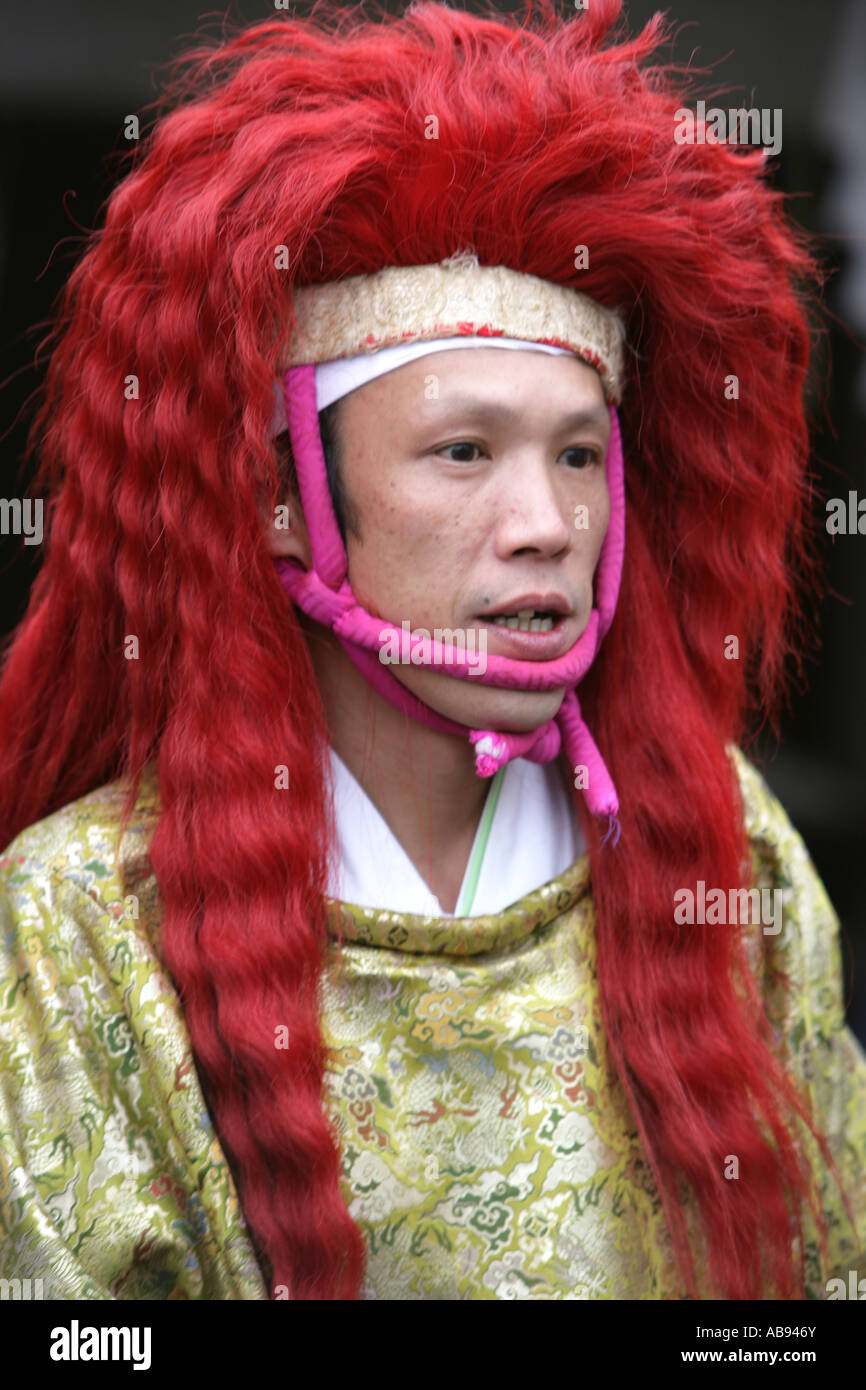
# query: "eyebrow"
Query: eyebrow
{"points": [[470, 407]]}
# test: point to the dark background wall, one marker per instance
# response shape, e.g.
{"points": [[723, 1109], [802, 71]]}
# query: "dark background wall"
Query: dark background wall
{"points": [[69, 75]]}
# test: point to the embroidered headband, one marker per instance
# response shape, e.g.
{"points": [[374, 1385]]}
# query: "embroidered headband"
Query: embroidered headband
{"points": [[455, 298], [335, 330]]}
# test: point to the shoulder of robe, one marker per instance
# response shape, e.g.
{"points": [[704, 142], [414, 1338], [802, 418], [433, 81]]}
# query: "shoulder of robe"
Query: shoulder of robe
{"points": [[798, 971], [112, 1180], [804, 942], [73, 862]]}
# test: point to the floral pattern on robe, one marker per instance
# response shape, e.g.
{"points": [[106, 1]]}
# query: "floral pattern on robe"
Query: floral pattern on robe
{"points": [[488, 1149]]}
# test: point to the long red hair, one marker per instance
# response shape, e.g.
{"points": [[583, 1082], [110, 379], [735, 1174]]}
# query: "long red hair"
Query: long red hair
{"points": [[309, 134]]}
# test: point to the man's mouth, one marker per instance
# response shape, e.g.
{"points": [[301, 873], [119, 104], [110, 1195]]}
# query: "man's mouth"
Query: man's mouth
{"points": [[527, 620], [541, 628], [543, 611]]}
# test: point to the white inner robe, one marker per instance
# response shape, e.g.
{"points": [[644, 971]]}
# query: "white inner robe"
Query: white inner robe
{"points": [[532, 836]]}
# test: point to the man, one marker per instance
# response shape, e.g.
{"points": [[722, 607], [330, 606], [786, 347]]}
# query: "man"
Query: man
{"points": [[486, 536], [343, 957]]}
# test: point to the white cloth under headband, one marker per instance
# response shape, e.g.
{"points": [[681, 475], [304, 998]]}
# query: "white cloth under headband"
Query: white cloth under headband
{"points": [[338, 378]]}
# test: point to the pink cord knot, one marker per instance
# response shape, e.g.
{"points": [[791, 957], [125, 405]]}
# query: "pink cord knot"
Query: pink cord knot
{"points": [[490, 753]]}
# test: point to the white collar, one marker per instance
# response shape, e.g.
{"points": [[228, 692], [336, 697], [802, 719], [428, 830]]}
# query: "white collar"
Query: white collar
{"points": [[529, 833]]}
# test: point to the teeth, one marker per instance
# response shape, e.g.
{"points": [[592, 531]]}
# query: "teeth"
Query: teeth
{"points": [[525, 621]]}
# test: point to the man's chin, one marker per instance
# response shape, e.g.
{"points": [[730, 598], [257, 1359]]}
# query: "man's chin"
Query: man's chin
{"points": [[481, 707]]}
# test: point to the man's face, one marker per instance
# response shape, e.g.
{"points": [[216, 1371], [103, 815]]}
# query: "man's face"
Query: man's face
{"points": [[467, 471]]}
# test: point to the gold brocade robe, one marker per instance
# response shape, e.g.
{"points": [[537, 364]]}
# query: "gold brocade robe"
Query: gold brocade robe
{"points": [[488, 1150]]}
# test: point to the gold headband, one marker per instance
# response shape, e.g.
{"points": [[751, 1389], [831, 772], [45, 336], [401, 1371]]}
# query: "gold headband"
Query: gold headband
{"points": [[455, 298]]}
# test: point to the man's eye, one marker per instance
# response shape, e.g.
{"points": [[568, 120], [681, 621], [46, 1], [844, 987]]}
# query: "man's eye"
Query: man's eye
{"points": [[590, 456], [462, 444]]}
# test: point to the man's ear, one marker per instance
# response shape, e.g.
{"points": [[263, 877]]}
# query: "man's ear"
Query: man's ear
{"points": [[286, 531]]}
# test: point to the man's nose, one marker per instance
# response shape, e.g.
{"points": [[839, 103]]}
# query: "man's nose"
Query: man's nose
{"points": [[533, 514]]}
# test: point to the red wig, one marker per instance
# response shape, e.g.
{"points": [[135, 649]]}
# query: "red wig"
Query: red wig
{"points": [[310, 135]]}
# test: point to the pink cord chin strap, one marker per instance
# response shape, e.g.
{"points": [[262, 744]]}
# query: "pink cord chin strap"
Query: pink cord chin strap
{"points": [[324, 594]]}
